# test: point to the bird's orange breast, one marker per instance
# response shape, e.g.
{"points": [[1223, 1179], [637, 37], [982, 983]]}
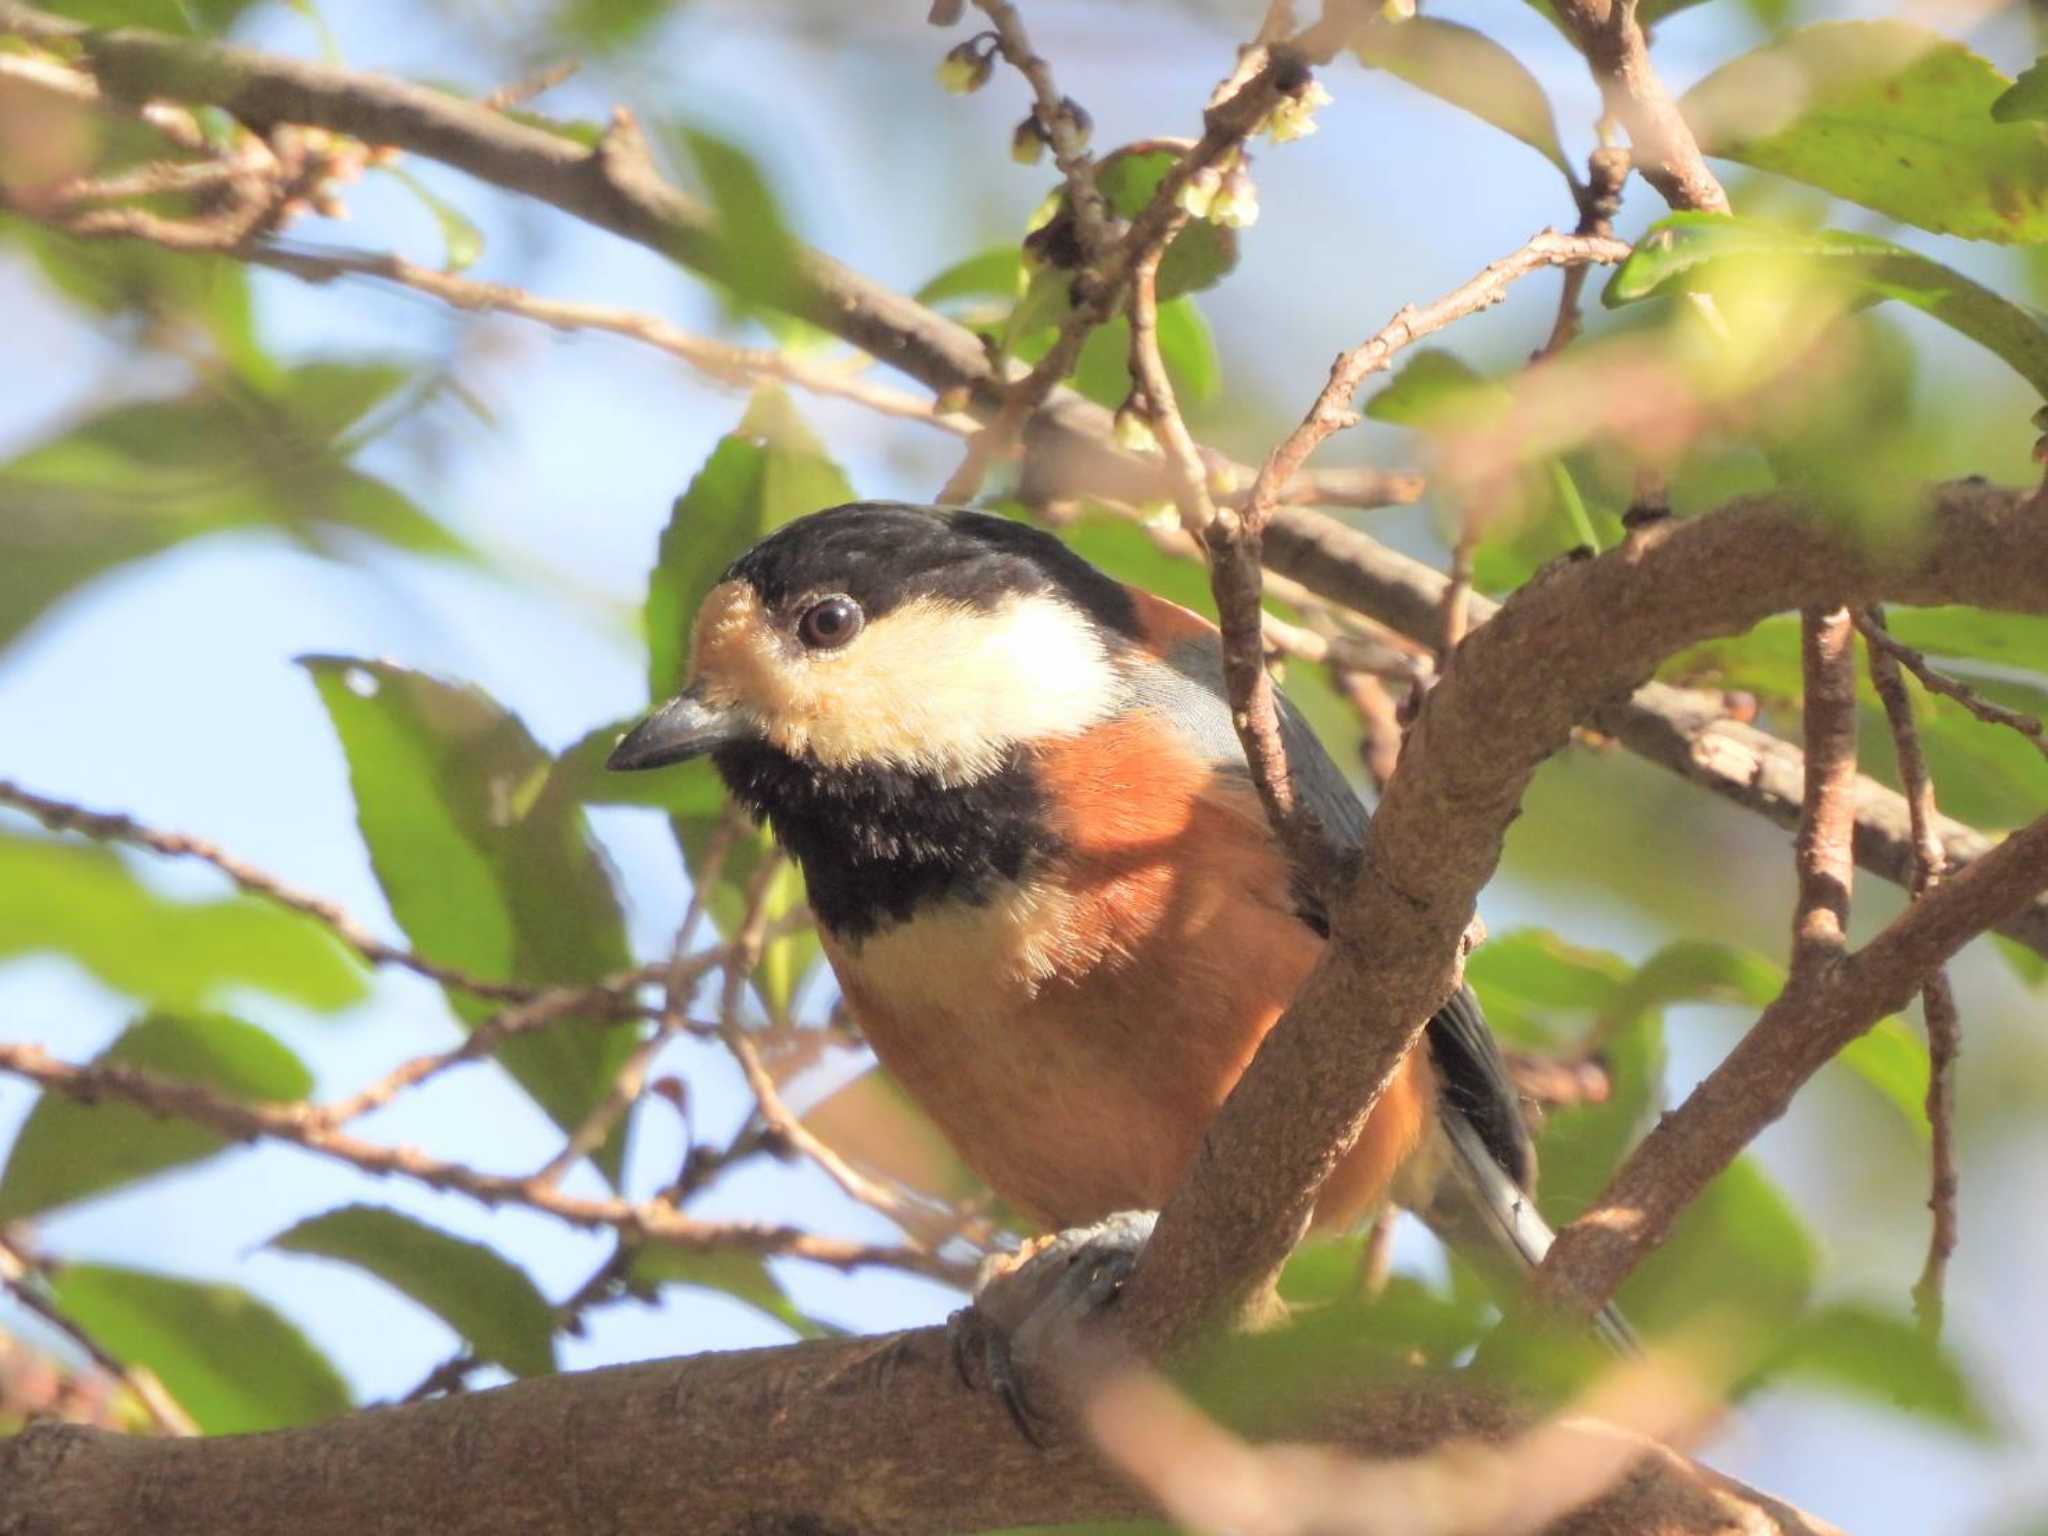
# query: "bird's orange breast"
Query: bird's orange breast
{"points": [[1074, 1034]]}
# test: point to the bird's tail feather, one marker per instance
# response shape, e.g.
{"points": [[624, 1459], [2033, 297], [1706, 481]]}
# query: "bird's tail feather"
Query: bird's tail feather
{"points": [[1510, 1219]]}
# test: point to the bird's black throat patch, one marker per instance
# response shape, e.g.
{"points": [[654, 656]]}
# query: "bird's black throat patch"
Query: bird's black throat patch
{"points": [[876, 844]]}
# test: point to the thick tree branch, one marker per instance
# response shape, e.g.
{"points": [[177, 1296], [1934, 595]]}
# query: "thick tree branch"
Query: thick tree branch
{"points": [[1600, 625], [1820, 926], [849, 1436]]}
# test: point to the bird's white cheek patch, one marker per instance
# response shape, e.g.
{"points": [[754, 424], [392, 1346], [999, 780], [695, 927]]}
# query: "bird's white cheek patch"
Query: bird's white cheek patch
{"points": [[936, 687]]}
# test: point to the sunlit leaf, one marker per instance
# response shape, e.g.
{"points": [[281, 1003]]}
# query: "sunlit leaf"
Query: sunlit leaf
{"points": [[1435, 390], [1881, 1358], [482, 870], [744, 1277], [486, 1299], [1891, 1060], [1201, 255], [80, 900], [68, 1149], [1469, 70], [1686, 247], [229, 1360], [1103, 372], [1886, 114]]}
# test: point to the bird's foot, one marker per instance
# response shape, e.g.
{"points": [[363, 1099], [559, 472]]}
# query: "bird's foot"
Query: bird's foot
{"points": [[1030, 1306]]}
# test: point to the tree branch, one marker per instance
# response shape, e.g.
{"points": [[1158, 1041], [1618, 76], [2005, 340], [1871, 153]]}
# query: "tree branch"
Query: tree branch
{"points": [[850, 1436], [1610, 36], [1827, 646], [1599, 626]]}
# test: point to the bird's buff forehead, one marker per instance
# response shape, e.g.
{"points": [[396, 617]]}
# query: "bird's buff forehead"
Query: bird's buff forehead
{"points": [[934, 686]]}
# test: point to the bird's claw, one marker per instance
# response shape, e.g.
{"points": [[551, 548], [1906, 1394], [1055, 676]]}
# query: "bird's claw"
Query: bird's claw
{"points": [[1028, 1305]]}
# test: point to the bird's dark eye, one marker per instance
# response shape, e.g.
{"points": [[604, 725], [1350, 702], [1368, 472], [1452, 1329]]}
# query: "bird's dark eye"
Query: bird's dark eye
{"points": [[829, 623]]}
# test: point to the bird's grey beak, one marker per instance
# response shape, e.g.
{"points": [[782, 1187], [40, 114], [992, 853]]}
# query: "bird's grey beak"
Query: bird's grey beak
{"points": [[683, 728]]}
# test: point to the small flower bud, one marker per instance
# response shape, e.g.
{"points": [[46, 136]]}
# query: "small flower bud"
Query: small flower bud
{"points": [[1027, 142], [945, 13], [1132, 430], [1200, 192], [967, 66], [1078, 119], [1295, 118], [1236, 206]]}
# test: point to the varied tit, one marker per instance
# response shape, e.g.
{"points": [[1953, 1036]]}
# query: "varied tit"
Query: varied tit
{"points": [[1039, 867]]}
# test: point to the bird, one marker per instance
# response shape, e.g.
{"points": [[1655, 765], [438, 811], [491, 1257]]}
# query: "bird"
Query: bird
{"points": [[1041, 871]]}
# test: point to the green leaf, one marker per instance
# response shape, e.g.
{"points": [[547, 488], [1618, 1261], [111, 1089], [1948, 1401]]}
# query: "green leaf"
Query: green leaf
{"points": [[138, 479], [996, 273], [2012, 640], [1687, 248], [1536, 967], [1103, 370], [229, 1360], [1469, 70], [81, 900], [67, 1149], [482, 869], [743, 1276], [755, 256], [1436, 391], [2029, 965], [1883, 1358], [2026, 99], [1885, 114], [200, 18], [161, 296], [1201, 255], [489, 1301], [462, 243]]}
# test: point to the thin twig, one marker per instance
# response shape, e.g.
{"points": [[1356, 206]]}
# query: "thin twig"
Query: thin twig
{"points": [[1937, 999], [1054, 114], [722, 361], [296, 1125], [1934, 680], [1332, 410], [105, 826]]}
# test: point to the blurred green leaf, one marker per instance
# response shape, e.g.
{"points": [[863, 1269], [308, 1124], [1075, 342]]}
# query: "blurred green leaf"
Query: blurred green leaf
{"points": [[1886, 114], [744, 1277], [756, 256], [1686, 247], [482, 870], [2027, 964], [486, 1299], [462, 243], [200, 18], [1435, 390], [138, 479], [1892, 1061], [2026, 99], [1882, 1358], [996, 273], [165, 296], [607, 24], [1537, 967], [2009, 639], [1469, 70], [229, 1360], [1741, 1246], [67, 1150], [80, 900]]}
